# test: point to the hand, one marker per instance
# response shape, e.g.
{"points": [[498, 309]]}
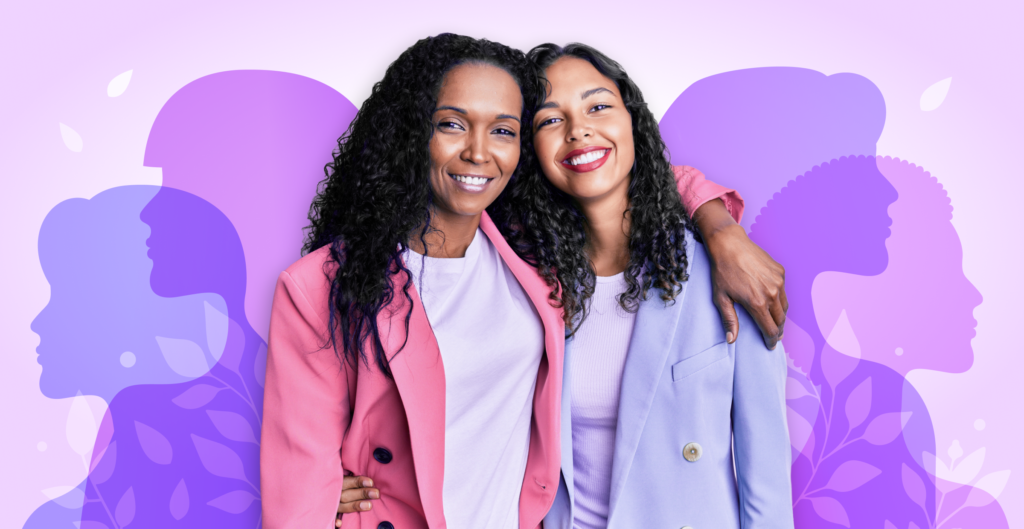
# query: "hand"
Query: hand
{"points": [[355, 493], [742, 272]]}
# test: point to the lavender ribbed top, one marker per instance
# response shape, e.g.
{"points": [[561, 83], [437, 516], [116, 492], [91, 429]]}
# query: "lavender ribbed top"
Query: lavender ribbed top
{"points": [[598, 359]]}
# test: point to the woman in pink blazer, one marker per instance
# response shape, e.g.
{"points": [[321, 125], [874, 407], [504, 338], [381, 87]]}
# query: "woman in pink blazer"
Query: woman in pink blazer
{"points": [[371, 370]]}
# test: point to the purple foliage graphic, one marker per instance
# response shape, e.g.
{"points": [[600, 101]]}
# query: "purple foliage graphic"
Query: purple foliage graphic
{"points": [[180, 446]]}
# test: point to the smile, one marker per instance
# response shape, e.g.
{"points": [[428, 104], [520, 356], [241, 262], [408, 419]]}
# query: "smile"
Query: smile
{"points": [[586, 160], [471, 183]]}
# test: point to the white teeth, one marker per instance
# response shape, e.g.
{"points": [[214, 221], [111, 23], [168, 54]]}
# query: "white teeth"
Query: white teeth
{"points": [[471, 180], [587, 158]]}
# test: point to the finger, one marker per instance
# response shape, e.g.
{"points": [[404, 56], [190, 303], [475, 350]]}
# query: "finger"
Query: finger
{"points": [[355, 482], [354, 506], [730, 323], [763, 318], [782, 297], [778, 314], [352, 495]]}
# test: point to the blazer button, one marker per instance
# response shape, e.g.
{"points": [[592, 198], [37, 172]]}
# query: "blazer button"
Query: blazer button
{"points": [[692, 452], [382, 455], [385, 525]]}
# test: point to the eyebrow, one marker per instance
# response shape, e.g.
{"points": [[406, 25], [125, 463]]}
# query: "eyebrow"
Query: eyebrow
{"points": [[463, 111], [584, 95]]}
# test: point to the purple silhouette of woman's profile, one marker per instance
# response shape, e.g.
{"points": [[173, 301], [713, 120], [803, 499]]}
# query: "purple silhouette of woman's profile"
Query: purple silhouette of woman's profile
{"points": [[104, 328], [247, 148], [926, 270]]}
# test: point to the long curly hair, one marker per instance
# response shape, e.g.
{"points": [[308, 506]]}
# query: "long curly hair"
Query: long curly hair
{"points": [[547, 227], [377, 194]]}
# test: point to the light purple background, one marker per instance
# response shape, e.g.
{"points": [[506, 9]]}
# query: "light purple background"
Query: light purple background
{"points": [[59, 58]]}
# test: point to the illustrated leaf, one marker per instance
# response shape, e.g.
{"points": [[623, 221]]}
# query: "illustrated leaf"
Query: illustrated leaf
{"points": [[260, 367], [934, 95], [234, 347], [969, 468], [796, 390], [835, 366], [799, 429], [156, 447], [216, 330], [105, 465], [913, 485], [179, 501], [119, 84], [92, 524], [233, 426], [196, 396], [842, 338], [954, 452], [124, 513], [912, 526], [218, 459], [988, 489], [858, 403], [850, 475], [830, 510], [889, 525], [235, 502], [71, 138], [65, 496], [886, 427], [81, 426], [185, 357]]}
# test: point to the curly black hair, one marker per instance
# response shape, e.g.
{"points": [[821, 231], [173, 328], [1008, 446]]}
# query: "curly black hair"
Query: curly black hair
{"points": [[377, 192], [548, 229]]}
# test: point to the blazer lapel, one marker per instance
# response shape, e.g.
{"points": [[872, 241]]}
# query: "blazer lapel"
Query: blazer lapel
{"points": [[419, 376], [541, 479], [653, 334]]}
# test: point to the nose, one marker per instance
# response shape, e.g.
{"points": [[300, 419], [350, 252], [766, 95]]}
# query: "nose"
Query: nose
{"points": [[477, 150], [578, 130]]}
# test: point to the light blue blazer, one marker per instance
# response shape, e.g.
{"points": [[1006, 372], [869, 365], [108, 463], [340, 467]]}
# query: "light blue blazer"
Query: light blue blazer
{"points": [[684, 384]]}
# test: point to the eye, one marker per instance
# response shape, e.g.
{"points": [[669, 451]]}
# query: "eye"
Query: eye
{"points": [[505, 132], [449, 125], [597, 108], [548, 121]]}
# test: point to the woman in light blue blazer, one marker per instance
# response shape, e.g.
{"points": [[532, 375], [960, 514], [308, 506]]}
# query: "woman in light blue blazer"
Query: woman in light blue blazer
{"points": [[666, 421]]}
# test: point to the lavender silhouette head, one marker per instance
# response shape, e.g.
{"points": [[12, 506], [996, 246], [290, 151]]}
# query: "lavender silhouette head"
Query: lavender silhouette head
{"points": [[254, 144], [104, 326], [918, 313], [755, 129], [831, 218]]}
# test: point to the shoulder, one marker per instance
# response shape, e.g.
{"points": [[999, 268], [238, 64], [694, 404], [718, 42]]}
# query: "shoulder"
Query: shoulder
{"points": [[686, 172], [311, 276]]}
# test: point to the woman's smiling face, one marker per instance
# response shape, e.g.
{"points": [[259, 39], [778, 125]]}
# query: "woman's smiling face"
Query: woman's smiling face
{"points": [[475, 146], [584, 133]]}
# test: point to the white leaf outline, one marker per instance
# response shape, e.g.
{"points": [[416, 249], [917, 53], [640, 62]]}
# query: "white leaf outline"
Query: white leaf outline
{"points": [[969, 467], [184, 357], [119, 84], [72, 140], [216, 330], [934, 95], [81, 427]]}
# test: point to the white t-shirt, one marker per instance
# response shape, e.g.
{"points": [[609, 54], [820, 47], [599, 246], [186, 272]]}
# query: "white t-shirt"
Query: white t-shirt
{"points": [[491, 341], [598, 360]]}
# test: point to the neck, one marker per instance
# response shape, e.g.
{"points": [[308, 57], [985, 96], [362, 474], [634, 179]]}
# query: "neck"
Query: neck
{"points": [[607, 233], [448, 236]]}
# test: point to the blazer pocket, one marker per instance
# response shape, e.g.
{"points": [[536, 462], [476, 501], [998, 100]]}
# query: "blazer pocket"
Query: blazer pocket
{"points": [[699, 361]]}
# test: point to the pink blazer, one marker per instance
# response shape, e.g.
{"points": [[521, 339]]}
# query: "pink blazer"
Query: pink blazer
{"points": [[321, 417]]}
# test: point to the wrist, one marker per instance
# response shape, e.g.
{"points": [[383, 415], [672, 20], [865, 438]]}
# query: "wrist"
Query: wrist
{"points": [[712, 218]]}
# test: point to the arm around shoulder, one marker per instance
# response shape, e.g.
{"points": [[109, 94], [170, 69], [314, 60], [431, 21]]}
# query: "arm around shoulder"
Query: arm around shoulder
{"points": [[306, 409], [696, 190], [760, 433]]}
